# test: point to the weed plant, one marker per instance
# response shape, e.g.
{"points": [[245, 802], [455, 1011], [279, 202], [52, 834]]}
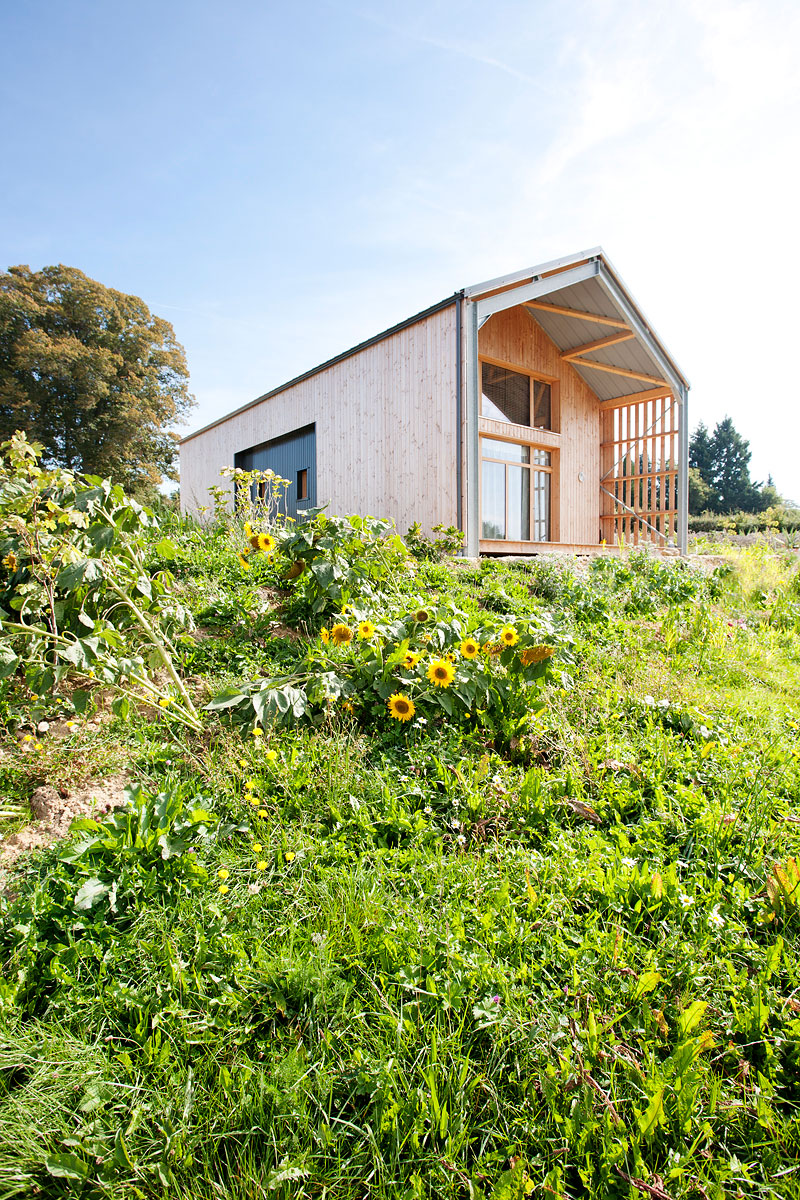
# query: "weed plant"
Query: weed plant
{"points": [[351, 956]]}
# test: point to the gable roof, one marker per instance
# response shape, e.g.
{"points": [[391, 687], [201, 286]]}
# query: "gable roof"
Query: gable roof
{"points": [[561, 296]]}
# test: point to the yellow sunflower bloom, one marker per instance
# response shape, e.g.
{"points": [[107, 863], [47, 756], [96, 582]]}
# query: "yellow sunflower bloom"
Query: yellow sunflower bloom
{"points": [[248, 529], [441, 673], [411, 659], [401, 707], [348, 707], [509, 635], [366, 630], [266, 543], [326, 637], [243, 562], [536, 654], [470, 648], [421, 615], [341, 634]]}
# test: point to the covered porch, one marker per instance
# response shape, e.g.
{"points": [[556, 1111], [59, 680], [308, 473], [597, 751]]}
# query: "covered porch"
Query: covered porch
{"points": [[575, 422]]}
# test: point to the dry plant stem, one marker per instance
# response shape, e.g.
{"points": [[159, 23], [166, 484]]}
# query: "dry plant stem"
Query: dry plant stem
{"points": [[158, 643]]}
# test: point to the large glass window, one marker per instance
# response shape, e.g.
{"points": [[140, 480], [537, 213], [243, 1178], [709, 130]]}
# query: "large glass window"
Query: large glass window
{"points": [[515, 492], [514, 397]]}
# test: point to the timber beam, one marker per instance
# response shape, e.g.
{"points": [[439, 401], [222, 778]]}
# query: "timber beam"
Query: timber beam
{"points": [[656, 393], [597, 366], [560, 310], [600, 344]]}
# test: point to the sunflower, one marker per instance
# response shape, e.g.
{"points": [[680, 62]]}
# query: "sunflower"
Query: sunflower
{"points": [[348, 707], [441, 673], [411, 659], [341, 634], [366, 630], [401, 707], [323, 633], [266, 543], [509, 635], [296, 569], [243, 562], [248, 529], [421, 615], [491, 648], [470, 648], [536, 654]]}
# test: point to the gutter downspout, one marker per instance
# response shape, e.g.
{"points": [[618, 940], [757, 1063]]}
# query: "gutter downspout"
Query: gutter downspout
{"points": [[459, 406]]}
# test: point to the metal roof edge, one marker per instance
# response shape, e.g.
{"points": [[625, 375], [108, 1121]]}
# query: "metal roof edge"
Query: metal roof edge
{"points": [[557, 264], [371, 341], [631, 299]]}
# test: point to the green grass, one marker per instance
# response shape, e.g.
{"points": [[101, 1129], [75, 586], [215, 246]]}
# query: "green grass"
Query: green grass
{"points": [[460, 963]]}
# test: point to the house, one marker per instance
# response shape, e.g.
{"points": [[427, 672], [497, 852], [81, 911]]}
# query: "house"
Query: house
{"points": [[535, 411]]}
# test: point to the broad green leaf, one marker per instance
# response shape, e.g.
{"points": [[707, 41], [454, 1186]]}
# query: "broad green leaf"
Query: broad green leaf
{"points": [[91, 891], [692, 1016], [66, 1166], [654, 1115], [9, 661]]}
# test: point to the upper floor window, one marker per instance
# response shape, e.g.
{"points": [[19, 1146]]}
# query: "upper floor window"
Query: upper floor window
{"points": [[514, 397]]}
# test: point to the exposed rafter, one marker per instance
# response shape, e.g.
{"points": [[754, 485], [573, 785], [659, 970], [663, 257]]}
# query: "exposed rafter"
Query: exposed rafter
{"points": [[559, 310], [655, 393], [597, 366], [600, 344]]}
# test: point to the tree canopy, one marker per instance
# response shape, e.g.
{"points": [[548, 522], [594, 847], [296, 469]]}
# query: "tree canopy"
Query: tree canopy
{"points": [[91, 374], [719, 476]]}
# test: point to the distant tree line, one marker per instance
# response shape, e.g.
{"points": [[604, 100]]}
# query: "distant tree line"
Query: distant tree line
{"points": [[719, 473]]}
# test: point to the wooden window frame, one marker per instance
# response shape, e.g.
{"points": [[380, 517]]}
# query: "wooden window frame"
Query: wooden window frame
{"points": [[551, 470], [555, 398]]}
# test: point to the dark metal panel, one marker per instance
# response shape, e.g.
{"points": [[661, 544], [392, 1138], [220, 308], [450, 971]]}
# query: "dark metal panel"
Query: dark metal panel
{"points": [[287, 456]]}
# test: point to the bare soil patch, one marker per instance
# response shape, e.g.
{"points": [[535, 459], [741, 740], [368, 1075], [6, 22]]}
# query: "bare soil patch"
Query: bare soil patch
{"points": [[55, 812]]}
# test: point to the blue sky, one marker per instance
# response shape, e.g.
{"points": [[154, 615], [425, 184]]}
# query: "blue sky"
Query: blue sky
{"points": [[280, 182]]}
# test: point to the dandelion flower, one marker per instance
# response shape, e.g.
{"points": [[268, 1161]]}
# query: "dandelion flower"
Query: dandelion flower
{"points": [[165, 702], [258, 731], [270, 755], [223, 874], [401, 707], [38, 746], [411, 659], [223, 889], [28, 737], [470, 648], [509, 635], [536, 654], [71, 724], [257, 847], [261, 865], [243, 562], [366, 630], [262, 812], [341, 634], [441, 673], [10, 561], [289, 855]]}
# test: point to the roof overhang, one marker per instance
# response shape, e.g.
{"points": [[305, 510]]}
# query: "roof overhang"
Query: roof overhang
{"points": [[585, 309]]}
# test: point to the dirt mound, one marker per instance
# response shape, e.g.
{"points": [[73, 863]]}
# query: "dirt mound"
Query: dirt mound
{"points": [[55, 813]]}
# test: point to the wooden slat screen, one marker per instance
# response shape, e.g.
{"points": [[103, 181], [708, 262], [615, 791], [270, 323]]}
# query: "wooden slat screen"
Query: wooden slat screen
{"points": [[639, 464]]}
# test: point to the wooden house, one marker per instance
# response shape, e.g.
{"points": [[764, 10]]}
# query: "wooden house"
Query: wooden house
{"points": [[535, 411]]}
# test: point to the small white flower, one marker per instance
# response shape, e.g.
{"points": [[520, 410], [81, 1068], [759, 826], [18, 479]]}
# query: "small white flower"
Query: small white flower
{"points": [[715, 919], [685, 900], [428, 810], [628, 862], [318, 938], [462, 841]]}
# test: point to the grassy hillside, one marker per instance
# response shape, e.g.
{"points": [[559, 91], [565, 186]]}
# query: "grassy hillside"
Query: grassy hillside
{"points": [[538, 938]]}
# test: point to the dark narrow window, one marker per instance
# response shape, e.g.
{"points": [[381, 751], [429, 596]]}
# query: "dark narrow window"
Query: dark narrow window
{"points": [[262, 489], [302, 484]]}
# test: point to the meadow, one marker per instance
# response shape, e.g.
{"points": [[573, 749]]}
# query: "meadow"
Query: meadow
{"points": [[437, 878]]}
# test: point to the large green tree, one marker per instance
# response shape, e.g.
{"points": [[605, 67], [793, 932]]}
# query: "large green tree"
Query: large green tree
{"points": [[721, 463], [91, 374]]}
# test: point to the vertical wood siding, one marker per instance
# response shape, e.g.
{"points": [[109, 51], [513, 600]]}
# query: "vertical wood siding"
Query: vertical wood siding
{"points": [[515, 338], [385, 429]]}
